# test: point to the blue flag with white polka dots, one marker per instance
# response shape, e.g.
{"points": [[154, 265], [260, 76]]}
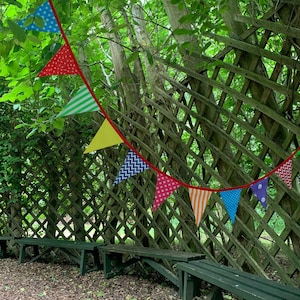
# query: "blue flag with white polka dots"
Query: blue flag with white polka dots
{"points": [[132, 165], [259, 189], [231, 200], [42, 19]]}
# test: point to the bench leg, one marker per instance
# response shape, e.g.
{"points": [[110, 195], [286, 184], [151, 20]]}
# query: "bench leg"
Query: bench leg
{"points": [[109, 261], [96, 259], [215, 294], [83, 262], [3, 246], [22, 253]]}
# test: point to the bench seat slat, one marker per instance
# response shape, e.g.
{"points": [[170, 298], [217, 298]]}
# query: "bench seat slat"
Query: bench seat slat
{"points": [[152, 252], [58, 243], [240, 283], [244, 276]]}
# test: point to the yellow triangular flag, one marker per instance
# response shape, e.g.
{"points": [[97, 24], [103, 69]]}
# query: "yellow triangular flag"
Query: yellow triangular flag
{"points": [[199, 199], [105, 137]]}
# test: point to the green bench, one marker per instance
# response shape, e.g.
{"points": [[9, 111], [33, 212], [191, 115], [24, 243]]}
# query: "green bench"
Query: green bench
{"points": [[113, 263], [239, 283], [48, 244]]}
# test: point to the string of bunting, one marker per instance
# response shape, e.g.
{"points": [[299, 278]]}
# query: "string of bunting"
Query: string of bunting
{"points": [[45, 19]]}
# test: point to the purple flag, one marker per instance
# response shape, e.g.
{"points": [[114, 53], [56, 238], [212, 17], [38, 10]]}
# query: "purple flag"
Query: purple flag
{"points": [[259, 189]]}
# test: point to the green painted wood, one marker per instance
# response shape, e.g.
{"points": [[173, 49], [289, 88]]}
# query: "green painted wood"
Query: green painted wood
{"points": [[151, 252], [48, 244], [241, 284]]}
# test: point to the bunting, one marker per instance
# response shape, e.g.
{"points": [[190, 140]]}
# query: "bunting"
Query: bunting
{"points": [[165, 186], [259, 189], [105, 137], [285, 173], [82, 102], [65, 63], [199, 199], [132, 165], [62, 63], [231, 200], [42, 19]]}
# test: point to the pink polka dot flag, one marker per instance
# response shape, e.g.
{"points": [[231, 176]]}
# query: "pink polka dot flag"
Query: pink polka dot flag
{"points": [[62, 63], [165, 186], [285, 173]]}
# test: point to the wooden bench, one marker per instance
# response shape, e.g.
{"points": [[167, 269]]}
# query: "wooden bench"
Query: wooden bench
{"points": [[49, 244], [241, 284], [113, 259], [3, 245]]}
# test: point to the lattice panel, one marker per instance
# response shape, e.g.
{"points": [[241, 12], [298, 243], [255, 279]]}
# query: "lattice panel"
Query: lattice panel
{"points": [[222, 126]]}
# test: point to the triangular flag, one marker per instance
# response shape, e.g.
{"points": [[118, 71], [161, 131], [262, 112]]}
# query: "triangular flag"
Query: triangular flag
{"points": [[132, 165], [42, 19], [199, 199], [105, 137], [165, 186], [259, 189], [82, 102], [285, 173], [231, 200], [62, 63]]}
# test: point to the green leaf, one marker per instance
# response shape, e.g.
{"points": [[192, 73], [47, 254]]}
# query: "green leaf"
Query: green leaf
{"points": [[14, 2], [59, 123], [17, 31], [40, 22], [182, 31], [132, 57], [150, 57], [31, 133], [28, 21], [34, 39]]}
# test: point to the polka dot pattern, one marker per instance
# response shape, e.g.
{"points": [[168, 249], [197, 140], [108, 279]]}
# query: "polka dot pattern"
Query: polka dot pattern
{"points": [[231, 200], [285, 173], [62, 63], [45, 12], [259, 189], [165, 186]]}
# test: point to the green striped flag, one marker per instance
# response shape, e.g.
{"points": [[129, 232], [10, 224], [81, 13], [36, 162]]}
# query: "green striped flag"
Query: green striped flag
{"points": [[82, 102]]}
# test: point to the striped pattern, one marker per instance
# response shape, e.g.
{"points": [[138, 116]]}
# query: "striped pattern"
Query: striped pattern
{"points": [[199, 200], [82, 102]]}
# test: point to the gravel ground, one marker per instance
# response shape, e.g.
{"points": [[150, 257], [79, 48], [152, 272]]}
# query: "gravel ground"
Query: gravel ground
{"points": [[30, 281]]}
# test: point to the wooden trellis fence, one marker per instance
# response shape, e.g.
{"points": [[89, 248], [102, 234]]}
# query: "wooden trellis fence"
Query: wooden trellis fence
{"points": [[225, 125]]}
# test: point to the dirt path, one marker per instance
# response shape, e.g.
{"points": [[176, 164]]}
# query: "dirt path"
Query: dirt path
{"points": [[30, 281]]}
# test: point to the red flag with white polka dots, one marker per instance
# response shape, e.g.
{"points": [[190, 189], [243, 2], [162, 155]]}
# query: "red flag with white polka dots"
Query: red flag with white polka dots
{"points": [[165, 186], [285, 173], [62, 63]]}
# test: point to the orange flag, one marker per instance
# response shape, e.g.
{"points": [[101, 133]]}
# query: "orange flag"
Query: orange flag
{"points": [[199, 199], [105, 137], [62, 63]]}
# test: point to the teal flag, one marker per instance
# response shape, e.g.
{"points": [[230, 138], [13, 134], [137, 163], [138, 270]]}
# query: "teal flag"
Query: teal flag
{"points": [[231, 200]]}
